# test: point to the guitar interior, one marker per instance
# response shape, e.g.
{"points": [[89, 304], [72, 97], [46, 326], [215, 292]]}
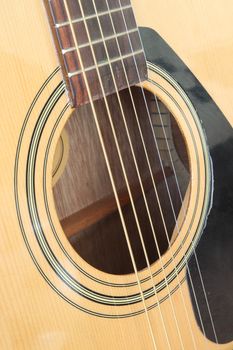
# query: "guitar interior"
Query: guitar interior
{"points": [[159, 164]]}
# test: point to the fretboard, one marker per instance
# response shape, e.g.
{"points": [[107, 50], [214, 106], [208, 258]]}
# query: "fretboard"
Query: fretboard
{"points": [[97, 40]]}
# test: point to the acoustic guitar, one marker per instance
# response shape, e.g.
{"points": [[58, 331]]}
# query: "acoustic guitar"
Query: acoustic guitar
{"points": [[116, 174]]}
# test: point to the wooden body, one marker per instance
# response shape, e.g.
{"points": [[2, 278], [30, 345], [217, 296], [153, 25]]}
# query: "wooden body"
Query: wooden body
{"points": [[33, 315]]}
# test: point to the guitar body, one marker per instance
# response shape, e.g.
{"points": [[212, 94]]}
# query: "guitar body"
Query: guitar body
{"points": [[187, 43]]}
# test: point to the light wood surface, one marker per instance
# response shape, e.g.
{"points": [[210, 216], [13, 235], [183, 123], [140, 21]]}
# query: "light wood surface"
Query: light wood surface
{"points": [[200, 32], [33, 315]]}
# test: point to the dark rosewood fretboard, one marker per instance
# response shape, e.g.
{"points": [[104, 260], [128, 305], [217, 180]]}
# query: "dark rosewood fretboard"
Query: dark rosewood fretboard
{"points": [[114, 39]]}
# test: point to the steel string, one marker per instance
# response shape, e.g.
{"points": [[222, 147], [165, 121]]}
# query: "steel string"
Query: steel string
{"points": [[201, 278], [106, 158]]}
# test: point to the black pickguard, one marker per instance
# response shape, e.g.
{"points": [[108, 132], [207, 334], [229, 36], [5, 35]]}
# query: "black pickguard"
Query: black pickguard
{"points": [[215, 249]]}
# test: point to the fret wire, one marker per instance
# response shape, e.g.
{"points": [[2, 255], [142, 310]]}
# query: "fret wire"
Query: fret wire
{"points": [[102, 64], [99, 41], [69, 63], [63, 24]]}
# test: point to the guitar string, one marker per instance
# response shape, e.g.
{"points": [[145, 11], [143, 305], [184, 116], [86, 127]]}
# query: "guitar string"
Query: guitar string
{"points": [[147, 159], [181, 199], [169, 196], [122, 163], [134, 106], [138, 173], [183, 300], [93, 111], [117, 146], [134, 158], [121, 108], [188, 270], [199, 270], [102, 36], [109, 170], [194, 249]]}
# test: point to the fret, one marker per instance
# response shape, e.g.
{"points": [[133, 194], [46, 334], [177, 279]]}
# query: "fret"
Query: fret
{"points": [[101, 5], [60, 16], [131, 43], [116, 3], [66, 39], [71, 56], [119, 22], [108, 35], [88, 7], [104, 63], [106, 77], [100, 14], [64, 32], [99, 41]]}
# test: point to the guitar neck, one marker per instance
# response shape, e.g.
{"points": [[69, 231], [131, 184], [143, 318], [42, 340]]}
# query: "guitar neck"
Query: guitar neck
{"points": [[98, 45]]}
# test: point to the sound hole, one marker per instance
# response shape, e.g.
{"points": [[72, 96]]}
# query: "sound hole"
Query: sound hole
{"points": [[84, 198]]}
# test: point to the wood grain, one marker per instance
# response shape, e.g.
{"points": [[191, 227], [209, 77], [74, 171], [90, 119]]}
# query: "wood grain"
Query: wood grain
{"points": [[33, 315]]}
